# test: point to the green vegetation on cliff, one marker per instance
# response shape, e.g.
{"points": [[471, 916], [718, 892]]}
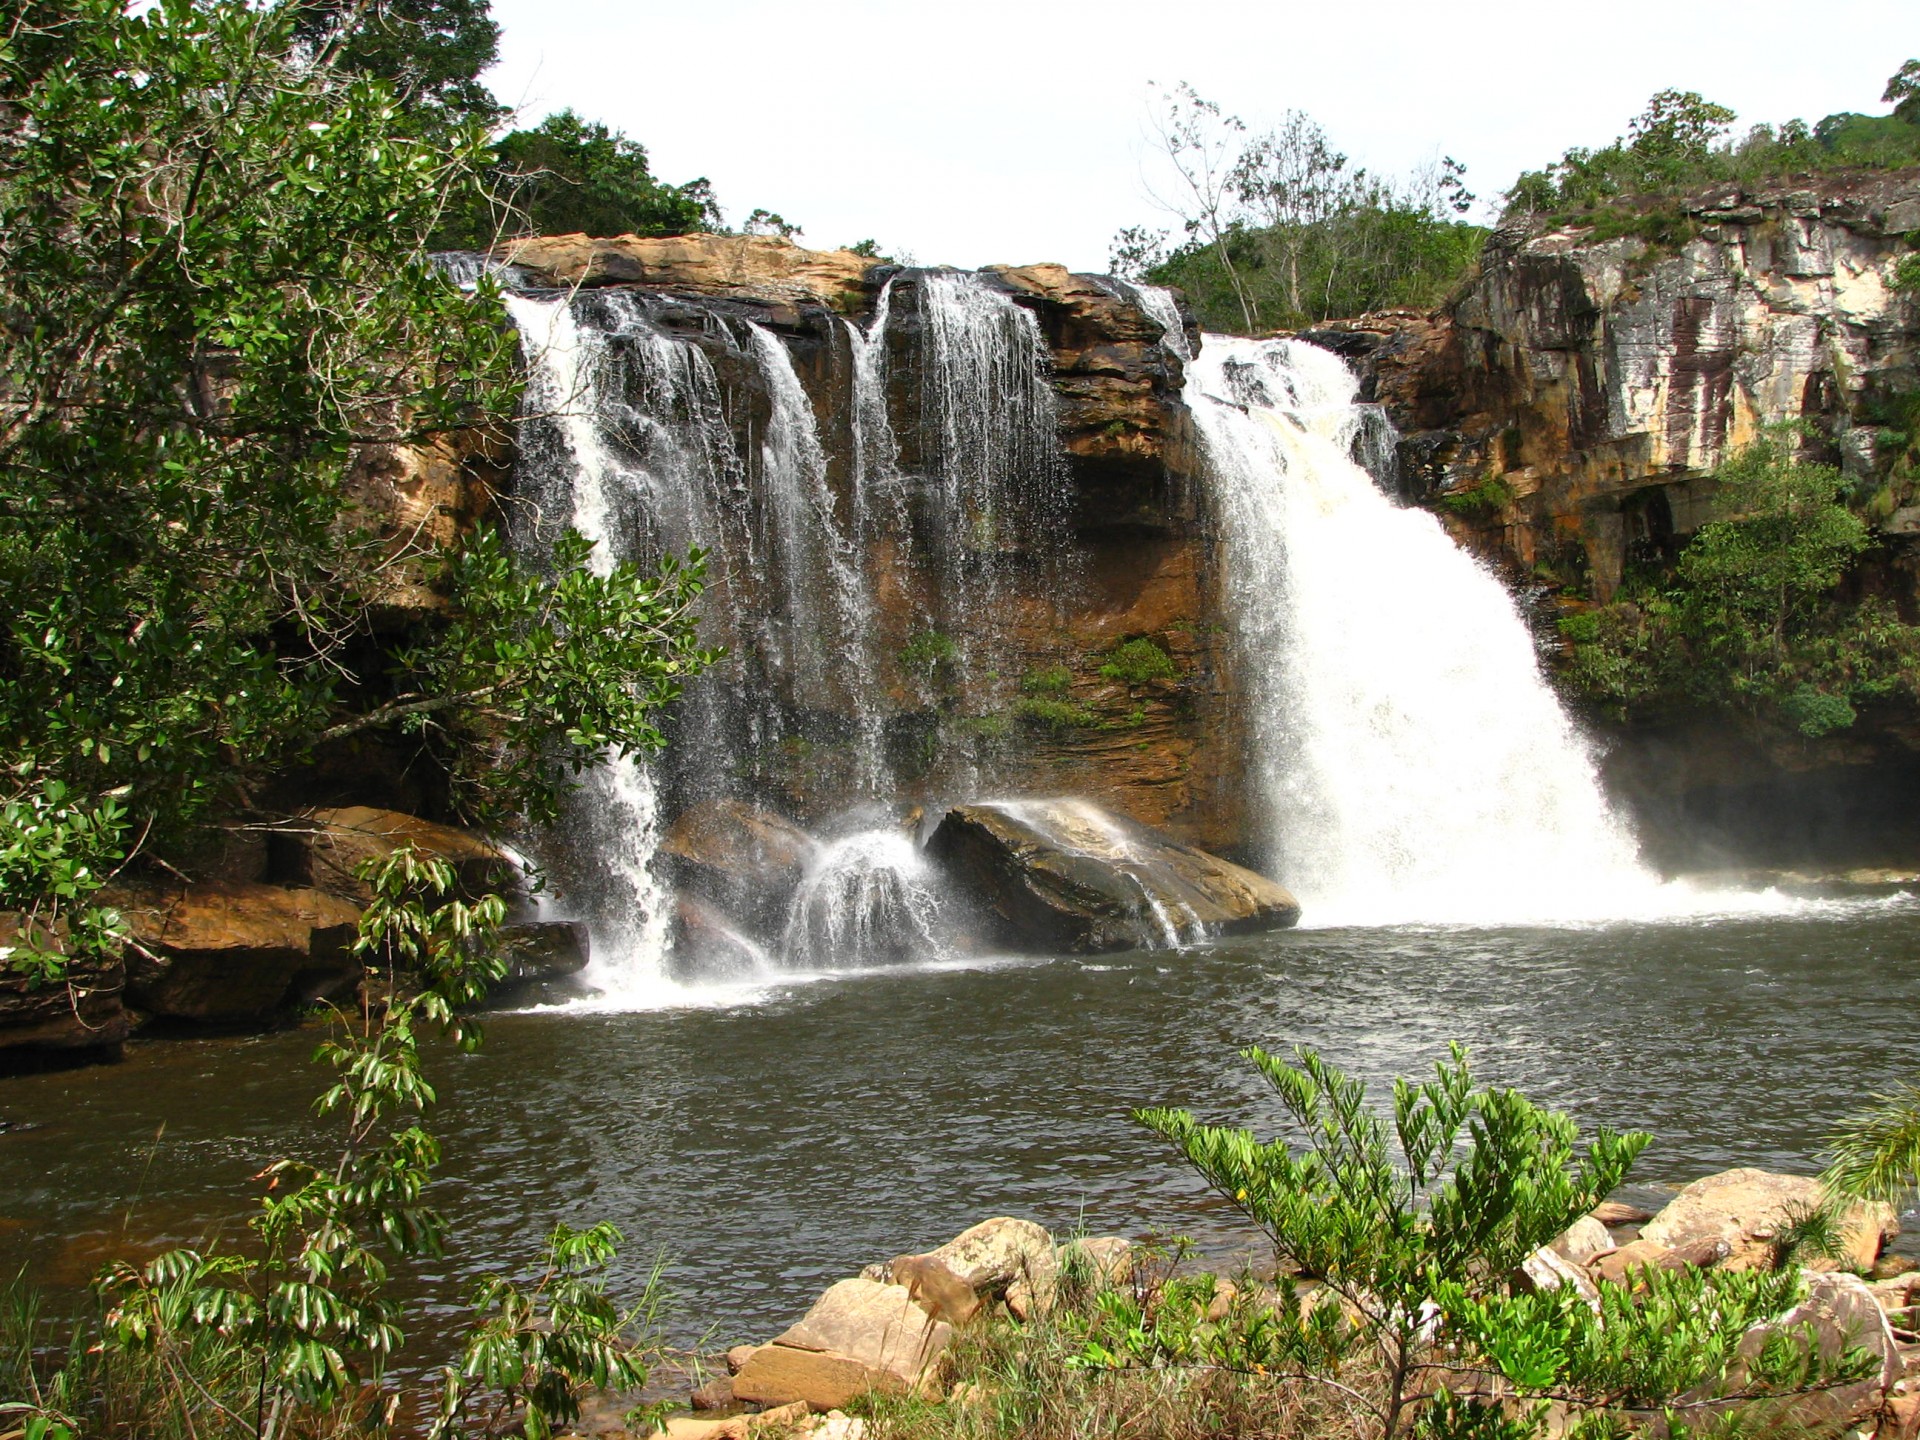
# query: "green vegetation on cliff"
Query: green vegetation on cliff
{"points": [[1757, 617], [1280, 230], [1680, 143]]}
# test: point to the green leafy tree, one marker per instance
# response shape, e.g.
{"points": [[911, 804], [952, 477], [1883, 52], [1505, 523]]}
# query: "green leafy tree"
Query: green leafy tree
{"points": [[311, 1315], [215, 293], [1753, 619], [1283, 230], [430, 52], [568, 175]]}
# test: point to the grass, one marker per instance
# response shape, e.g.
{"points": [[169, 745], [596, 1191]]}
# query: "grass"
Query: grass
{"points": [[1046, 680], [1013, 1381], [1047, 714]]}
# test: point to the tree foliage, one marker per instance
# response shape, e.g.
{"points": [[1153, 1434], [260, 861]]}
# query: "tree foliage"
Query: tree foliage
{"points": [[1682, 140], [215, 292], [1279, 229], [568, 175], [430, 53], [1754, 618]]}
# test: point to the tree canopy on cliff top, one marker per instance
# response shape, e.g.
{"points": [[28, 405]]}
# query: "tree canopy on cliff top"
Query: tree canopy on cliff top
{"points": [[215, 293], [1682, 141], [1279, 230]]}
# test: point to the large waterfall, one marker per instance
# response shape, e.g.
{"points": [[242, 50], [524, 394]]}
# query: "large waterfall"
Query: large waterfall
{"points": [[1414, 763]]}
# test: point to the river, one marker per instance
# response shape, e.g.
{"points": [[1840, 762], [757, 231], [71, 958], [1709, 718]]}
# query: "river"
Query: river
{"points": [[770, 1140]]}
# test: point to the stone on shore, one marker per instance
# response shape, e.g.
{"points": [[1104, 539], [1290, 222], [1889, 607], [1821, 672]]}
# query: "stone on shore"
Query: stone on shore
{"points": [[332, 845], [1842, 1314], [1749, 1209], [1066, 875], [1583, 1242], [81, 1011], [860, 1336]]}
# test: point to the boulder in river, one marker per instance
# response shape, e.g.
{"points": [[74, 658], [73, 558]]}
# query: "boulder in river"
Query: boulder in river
{"points": [[332, 845], [538, 952], [734, 855], [1067, 875], [232, 953], [1749, 1209]]}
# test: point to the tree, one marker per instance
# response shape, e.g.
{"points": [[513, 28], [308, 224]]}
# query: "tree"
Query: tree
{"points": [[1903, 92], [215, 290], [430, 52], [1751, 619], [1283, 230], [567, 174], [1415, 1224]]}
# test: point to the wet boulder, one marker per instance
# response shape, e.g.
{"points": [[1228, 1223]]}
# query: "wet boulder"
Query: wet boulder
{"points": [[540, 952], [330, 846], [740, 858], [1749, 1210], [80, 1011], [1053, 875], [237, 953]]}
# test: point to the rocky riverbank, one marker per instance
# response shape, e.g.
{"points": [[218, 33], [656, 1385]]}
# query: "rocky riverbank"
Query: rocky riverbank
{"points": [[900, 1327]]}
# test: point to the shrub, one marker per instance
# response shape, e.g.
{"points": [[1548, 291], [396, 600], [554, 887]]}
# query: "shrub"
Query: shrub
{"points": [[1045, 714], [928, 651], [1414, 1224], [1137, 661], [1046, 680]]}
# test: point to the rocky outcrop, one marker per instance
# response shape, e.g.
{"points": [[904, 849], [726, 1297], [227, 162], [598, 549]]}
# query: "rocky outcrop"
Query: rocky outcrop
{"points": [[329, 846], [236, 953], [539, 952], [1057, 875], [1563, 411], [1749, 1210], [763, 267], [739, 857], [861, 1336], [80, 1011]]}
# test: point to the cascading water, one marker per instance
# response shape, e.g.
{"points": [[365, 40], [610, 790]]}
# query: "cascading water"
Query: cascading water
{"points": [[653, 424], [1414, 763], [868, 899]]}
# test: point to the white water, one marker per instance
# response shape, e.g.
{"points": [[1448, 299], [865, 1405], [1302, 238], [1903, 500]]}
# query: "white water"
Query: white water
{"points": [[867, 899], [1413, 762]]}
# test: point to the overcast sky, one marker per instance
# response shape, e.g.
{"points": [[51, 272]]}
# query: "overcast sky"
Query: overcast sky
{"points": [[1013, 130]]}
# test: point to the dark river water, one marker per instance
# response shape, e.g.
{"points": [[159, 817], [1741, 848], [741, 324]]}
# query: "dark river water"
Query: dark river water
{"points": [[772, 1144]]}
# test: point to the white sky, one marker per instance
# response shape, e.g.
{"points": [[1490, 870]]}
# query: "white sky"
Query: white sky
{"points": [[1012, 130]]}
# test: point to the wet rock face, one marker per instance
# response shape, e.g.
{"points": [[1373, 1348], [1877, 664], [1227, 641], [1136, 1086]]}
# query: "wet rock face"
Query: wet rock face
{"points": [[740, 858], [1064, 875], [236, 953], [81, 1012], [1597, 380]]}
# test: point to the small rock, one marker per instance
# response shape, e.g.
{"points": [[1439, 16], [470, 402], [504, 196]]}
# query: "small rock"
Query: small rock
{"points": [[1615, 1213], [716, 1394], [1615, 1267], [737, 1427], [1585, 1241], [738, 1357], [859, 1336], [1547, 1269]]}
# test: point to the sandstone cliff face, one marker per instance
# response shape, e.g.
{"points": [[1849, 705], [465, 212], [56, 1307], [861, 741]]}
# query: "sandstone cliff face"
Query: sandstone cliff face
{"points": [[1563, 410], [1128, 555]]}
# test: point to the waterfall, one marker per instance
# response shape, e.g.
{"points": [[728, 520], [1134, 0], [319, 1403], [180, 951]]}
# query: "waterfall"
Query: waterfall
{"points": [[868, 899], [998, 493], [1413, 762]]}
